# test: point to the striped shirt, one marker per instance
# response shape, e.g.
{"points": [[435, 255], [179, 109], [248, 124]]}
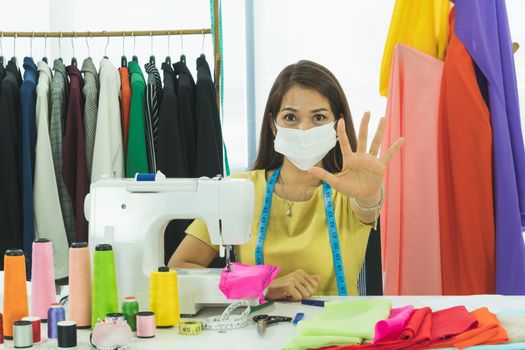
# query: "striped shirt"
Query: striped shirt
{"points": [[153, 99]]}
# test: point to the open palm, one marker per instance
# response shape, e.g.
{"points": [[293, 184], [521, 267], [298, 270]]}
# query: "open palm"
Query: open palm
{"points": [[362, 173]]}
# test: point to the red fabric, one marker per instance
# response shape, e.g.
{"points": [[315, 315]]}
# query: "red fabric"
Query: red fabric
{"points": [[74, 168], [466, 214], [125, 100], [417, 333], [450, 322]]}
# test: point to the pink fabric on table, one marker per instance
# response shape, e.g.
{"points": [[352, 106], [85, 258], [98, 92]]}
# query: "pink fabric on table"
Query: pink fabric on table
{"points": [[410, 215], [247, 281], [391, 328]]}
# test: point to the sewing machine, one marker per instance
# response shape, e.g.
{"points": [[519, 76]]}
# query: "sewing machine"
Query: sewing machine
{"points": [[132, 215]]}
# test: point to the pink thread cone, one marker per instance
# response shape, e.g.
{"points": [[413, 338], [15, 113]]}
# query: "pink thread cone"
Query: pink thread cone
{"points": [[79, 305], [43, 291]]}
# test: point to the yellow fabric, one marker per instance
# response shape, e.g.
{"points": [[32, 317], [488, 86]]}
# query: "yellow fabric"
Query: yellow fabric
{"points": [[302, 241], [420, 24]]}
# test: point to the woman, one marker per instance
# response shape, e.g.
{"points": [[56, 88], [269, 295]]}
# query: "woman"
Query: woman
{"points": [[317, 178]]}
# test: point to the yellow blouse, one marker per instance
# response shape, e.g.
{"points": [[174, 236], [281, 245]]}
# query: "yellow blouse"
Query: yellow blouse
{"points": [[302, 241]]}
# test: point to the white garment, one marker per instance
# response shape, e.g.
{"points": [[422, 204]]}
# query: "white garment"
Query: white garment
{"points": [[108, 154], [48, 215]]}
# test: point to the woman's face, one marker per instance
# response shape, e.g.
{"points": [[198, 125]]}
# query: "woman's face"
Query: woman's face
{"points": [[303, 108]]}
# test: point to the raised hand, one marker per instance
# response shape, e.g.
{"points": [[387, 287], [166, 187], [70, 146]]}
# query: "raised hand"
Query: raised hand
{"points": [[362, 173]]}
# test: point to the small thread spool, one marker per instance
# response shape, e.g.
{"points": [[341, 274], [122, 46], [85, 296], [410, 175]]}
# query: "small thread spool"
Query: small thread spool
{"points": [[145, 324], [15, 292], [55, 314], [164, 297], [115, 316], [23, 334], [67, 334], [79, 302], [130, 308], [35, 323], [105, 297], [43, 292]]}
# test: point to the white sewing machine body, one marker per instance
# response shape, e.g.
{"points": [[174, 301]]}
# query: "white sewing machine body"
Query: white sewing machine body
{"points": [[132, 216]]}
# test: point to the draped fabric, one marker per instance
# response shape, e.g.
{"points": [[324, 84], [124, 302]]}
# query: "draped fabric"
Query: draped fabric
{"points": [[410, 230], [420, 24], [483, 28], [465, 178]]}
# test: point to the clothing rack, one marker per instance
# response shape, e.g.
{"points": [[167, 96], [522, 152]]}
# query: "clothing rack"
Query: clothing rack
{"points": [[89, 34]]}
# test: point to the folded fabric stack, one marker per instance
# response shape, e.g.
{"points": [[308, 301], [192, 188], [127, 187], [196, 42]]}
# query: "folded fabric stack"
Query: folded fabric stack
{"points": [[373, 324]]}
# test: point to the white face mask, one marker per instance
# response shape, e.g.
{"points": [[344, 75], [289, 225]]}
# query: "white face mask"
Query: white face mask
{"points": [[305, 148]]}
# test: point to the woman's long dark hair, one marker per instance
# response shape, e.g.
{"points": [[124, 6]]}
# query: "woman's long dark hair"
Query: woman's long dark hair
{"points": [[312, 76]]}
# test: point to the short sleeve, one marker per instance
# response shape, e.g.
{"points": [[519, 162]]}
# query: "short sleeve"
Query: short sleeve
{"points": [[198, 229]]}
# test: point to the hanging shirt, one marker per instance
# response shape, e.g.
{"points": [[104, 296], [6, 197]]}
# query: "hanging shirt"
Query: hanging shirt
{"points": [[420, 24], [186, 93], [302, 241], [153, 100], [208, 125], [48, 216], [27, 108], [90, 93], [136, 158], [171, 157], [74, 153], [10, 199], [108, 156], [59, 97], [125, 100], [465, 182], [410, 215], [483, 29]]}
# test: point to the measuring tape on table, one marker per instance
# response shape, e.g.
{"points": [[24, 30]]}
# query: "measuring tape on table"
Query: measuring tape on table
{"points": [[226, 320], [190, 327]]}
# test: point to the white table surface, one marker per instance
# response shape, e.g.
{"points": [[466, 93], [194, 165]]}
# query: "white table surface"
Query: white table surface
{"points": [[277, 335]]}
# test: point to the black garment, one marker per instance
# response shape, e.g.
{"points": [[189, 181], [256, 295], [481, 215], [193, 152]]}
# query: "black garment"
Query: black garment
{"points": [[186, 93], [209, 135], [374, 272], [171, 153], [171, 156], [2, 72], [10, 201]]}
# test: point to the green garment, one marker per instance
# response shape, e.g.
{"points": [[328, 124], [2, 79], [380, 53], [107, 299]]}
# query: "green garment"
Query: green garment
{"points": [[341, 323], [136, 157]]}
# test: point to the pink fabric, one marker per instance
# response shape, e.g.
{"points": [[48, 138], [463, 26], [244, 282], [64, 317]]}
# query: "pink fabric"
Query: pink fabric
{"points": [[391, 328], [247, 281], [410, 216]]}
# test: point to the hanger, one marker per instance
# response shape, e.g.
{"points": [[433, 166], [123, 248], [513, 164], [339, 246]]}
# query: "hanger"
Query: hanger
{"points": [[87, 44], [152, 57], [31, 45], [123, 58], [202, 48], [135, 58], [1, 50], [168, 58], [73, 59], [45, 49], [182, 56], [60, 47], [106, 49], [13, 59]]}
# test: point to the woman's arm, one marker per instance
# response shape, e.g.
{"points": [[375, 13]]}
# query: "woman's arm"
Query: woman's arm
{"points": [[192, 253]]}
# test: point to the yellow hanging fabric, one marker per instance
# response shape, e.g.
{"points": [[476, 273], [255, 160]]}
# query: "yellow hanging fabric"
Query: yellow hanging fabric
{"points": [[420, 24]]}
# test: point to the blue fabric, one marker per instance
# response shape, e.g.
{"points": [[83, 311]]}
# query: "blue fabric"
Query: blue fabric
{"points": [[27, 108], [483, 28], [510, 346]]}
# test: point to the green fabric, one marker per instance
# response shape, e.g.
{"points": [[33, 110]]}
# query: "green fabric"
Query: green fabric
{"points": [[341, 323], [136, 157]]}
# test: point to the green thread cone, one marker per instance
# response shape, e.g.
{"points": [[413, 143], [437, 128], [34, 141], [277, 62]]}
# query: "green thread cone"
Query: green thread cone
{"points": [[104, 298]]}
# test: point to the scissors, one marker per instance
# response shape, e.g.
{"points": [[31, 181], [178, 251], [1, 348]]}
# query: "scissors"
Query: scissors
{"points": [[264, 321]]}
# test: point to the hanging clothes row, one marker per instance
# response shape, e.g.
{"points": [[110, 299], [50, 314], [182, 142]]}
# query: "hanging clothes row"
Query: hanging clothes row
{"points": [[63, 129]]}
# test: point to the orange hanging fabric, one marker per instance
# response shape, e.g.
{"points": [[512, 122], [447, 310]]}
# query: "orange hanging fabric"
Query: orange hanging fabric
{"points": [[465, 178]]}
